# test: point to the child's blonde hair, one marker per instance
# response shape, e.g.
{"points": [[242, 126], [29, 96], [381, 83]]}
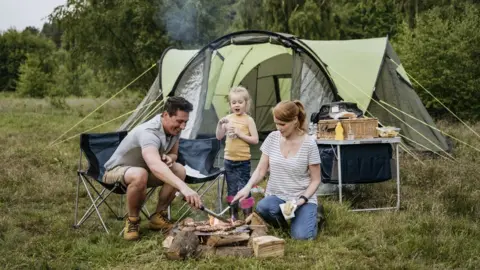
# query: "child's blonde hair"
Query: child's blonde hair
{"points": [[244, 93]]}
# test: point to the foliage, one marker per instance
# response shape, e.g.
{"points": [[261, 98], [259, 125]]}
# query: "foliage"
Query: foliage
{"points": [[34, 80], [313, 20], [52, 32], [14, 48], [443, 54], [366, 18]]}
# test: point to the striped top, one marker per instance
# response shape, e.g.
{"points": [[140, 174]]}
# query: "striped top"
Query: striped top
{"points": [[289, 177]]}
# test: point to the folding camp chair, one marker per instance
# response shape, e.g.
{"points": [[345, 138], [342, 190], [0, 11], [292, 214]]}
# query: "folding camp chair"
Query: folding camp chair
{"points": [[97, 149], [199, 157]]}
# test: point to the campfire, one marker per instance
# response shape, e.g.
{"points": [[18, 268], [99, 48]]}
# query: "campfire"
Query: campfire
{"points": [[214, 237]]}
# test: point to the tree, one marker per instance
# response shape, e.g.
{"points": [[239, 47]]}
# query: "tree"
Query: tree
{"points": [[124, 38], [442, 52], [366, 18], [14, 47], [52, 32], [313, 20], [33, 80]]}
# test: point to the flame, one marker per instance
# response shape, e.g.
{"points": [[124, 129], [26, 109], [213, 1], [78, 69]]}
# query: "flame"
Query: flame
{"points": [[213, 221]]}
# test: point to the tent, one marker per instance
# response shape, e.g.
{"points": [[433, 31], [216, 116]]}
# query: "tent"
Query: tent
{"points": [[275, 67]]}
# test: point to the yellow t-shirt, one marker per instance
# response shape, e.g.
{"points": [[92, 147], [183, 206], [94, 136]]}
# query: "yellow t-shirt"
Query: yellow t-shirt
{"points": [[237, 149]]}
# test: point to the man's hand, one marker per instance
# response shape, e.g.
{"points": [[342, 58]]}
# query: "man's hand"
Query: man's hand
{"points": [[191, 197], [167, 160], [242, 194]]}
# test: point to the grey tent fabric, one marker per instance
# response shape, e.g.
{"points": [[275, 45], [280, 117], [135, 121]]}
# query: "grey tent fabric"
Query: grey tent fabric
{"points": [[143, 109], [191, 87], [394, 90]]}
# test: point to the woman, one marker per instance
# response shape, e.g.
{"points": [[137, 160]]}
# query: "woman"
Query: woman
{"points": [[294, 163]]}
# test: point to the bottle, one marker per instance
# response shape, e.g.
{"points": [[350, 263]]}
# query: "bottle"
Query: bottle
{"points": [[339, 132]]}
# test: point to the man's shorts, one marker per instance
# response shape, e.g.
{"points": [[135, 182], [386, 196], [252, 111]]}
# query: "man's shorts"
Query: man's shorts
{"points": [[117, 174]]}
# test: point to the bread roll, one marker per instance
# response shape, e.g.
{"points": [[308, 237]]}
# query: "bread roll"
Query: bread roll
{"points": [[288, 208]]}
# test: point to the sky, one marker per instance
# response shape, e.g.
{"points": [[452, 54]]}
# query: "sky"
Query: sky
{"points": [[22, 13]]}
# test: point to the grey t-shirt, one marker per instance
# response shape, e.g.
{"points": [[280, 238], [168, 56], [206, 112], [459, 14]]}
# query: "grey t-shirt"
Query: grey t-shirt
{"points": [[150, 133]]}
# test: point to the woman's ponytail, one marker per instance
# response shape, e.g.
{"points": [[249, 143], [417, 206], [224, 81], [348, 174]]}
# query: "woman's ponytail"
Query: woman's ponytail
{"points": [[301, 115]]}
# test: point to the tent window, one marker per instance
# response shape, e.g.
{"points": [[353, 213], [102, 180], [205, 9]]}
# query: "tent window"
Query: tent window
{"points": [[283, 84], [277, 89]]}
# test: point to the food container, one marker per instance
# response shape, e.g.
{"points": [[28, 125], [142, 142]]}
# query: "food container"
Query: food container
{"points": [[388, 132], [360, 128]]}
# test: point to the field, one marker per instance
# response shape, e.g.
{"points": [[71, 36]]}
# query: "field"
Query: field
{"points": [[437, 227]]}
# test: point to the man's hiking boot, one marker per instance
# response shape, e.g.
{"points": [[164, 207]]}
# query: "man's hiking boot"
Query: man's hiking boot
{"points": [[131, 231], [159, 221]]}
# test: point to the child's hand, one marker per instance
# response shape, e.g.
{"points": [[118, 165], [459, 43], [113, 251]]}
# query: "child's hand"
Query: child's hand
{"points": [[222, 121], [242, 194], [232, 131]]}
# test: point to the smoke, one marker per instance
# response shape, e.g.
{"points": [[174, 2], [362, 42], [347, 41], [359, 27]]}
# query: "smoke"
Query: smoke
{"points": [[179, 19]]}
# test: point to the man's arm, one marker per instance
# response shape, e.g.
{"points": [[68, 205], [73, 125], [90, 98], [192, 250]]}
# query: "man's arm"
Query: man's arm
{"points": [[161, 171], [173, 154]]}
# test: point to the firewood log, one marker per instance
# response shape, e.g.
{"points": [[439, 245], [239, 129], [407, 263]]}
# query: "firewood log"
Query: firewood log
{"points": [[183, 245]]}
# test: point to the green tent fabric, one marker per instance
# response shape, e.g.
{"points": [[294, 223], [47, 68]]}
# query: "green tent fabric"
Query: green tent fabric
{"points": [[353, 65], [275, 67]]}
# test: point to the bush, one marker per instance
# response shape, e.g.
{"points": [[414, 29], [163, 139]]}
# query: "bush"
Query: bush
{"points": [[33, 80], [443, 53], [14, 48]]}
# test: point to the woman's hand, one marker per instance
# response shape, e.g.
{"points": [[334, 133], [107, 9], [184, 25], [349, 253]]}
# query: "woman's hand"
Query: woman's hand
{"points": [[300, 202], [242, 194]]}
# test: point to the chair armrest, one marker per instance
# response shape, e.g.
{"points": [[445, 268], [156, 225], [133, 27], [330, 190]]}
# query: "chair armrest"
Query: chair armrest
{"points": [[209, 177]]}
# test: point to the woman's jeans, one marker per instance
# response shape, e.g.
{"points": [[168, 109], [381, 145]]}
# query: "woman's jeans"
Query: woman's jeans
{"points": [[304, 224], [237, 174]]}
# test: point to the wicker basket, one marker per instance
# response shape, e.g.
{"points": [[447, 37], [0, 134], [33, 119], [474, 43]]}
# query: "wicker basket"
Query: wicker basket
{"points": [[363, 128]]}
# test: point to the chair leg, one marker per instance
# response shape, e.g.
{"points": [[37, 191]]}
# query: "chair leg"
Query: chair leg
{"points": [[75, 223], [219, 191], [100, 195], [120, 207], [95, 206], [144, 208], [96, 203], [90, 209]]}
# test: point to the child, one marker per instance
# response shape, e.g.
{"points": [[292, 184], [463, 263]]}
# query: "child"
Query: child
{"points": [[241, 131]]}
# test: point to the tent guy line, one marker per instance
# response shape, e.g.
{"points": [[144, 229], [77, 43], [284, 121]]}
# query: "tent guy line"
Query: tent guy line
{"points": [[443, 132], [397, 117], [441, 103], [101, 105]]}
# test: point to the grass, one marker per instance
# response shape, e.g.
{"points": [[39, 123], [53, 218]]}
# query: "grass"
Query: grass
{"points": [[438, 226]]}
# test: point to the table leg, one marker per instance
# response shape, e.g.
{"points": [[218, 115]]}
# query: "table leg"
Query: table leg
{"points": [[339, 163], [398, 176]]}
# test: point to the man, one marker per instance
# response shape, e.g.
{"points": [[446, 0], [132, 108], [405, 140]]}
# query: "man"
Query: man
{"points": [[147, 158]]}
